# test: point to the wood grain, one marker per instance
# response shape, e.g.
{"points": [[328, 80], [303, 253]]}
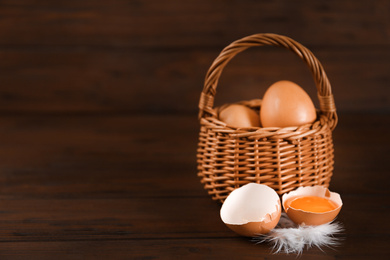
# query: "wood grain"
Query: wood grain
{"points": [[34, 147], [356, 248], [151, 218], [72, 183], [151, 57], [171, 82], [171, 24], [173, 249], [98, 122]]}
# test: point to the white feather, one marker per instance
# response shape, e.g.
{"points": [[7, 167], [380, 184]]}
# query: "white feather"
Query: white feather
{"points": [[288, 237]]}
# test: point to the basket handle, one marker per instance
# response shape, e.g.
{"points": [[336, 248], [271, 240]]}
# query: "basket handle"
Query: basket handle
{"points": [[324, 91]]}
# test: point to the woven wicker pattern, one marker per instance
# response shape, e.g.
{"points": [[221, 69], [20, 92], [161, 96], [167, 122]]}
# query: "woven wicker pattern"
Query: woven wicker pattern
{"points": [[282, 158]]}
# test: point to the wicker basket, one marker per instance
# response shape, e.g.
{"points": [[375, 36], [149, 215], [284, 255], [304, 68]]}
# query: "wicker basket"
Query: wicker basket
{"points": [[282, 158]]}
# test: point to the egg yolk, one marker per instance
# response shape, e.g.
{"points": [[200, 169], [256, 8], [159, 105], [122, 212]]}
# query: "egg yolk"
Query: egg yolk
{"points": [[313, 204]]}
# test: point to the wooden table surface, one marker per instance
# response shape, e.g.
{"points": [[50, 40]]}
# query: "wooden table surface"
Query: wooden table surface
{"points": [[99, 128], [125, 187]]}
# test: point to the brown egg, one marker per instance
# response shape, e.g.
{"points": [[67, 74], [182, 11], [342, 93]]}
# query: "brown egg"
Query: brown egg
{"points": [[286, 104], [239, 116], [327, 208], [251, 210]]}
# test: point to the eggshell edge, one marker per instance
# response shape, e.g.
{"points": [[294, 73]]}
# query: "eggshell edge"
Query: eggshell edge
{"points": [[252, 229], [301, 217], [268, 217]]}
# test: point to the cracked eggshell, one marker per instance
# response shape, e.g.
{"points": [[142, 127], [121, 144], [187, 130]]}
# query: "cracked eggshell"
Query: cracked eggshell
{"points": [[302, 217], [251, 210]]}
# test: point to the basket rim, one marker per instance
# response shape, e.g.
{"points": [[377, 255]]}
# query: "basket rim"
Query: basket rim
{"points": [[324, 90], [321, 124]]}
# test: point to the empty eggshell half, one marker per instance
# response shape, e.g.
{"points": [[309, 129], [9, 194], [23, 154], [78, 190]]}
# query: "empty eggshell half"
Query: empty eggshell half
{"points": [[251, 210], [302, 217]]}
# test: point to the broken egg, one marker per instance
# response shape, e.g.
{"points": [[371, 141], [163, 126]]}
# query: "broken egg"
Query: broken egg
{"points": [[251, 210], [312, 205]]}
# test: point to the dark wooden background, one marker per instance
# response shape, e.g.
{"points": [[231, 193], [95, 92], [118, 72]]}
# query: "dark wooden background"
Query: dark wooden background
{"points": [[98, 122]]}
